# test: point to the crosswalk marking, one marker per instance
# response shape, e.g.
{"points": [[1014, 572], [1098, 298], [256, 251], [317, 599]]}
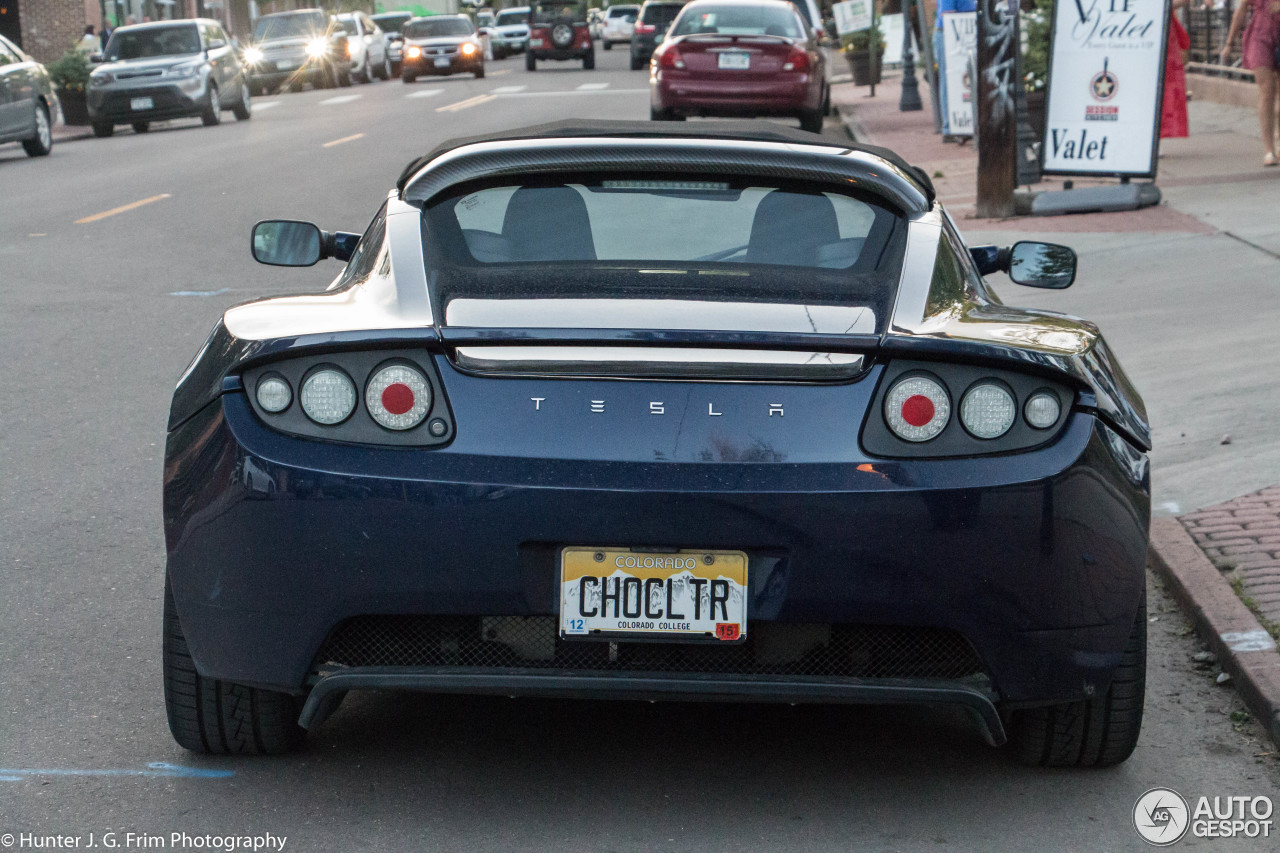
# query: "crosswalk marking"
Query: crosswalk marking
{"points": [[509, 90], [265, 105], [425, 93], [340, 99], [589, 86]]}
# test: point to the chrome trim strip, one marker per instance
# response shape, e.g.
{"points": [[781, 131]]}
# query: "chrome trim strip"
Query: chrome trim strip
{"points": [[659, 361], [923, 234]]}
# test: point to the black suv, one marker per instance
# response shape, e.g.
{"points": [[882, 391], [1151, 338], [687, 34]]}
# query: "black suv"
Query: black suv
{"points": [[655, 18]]}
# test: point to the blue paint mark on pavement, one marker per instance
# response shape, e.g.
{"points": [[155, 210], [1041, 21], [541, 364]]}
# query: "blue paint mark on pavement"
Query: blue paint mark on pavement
{"points": [[156, 769], [220, 290]]}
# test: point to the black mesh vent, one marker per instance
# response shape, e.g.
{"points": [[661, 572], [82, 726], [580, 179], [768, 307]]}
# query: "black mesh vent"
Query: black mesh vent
{"points": [[772, 648]]}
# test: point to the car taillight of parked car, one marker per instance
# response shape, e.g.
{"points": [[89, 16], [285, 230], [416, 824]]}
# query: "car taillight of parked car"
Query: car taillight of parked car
{"points": [[669, 57], [797, 60], [917, 408], [645, 29]]}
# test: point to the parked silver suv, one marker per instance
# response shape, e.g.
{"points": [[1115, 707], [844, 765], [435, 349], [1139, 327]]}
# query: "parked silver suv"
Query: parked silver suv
{"points": [[164, 70]]}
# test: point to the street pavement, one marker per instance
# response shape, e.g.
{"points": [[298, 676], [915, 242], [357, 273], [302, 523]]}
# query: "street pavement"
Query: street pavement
{"points": [[100, 313]]}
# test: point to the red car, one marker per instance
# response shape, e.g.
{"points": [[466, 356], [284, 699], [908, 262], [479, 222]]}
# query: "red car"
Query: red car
{"points": [[739, 58]]}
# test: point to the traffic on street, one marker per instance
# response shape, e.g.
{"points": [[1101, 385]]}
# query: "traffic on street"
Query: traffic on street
{"points": [[589, 427]]}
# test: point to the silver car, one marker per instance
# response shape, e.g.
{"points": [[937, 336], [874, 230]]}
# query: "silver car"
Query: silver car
{"points": [[164, 70], [28, 105], [511, 31], [366, 47]]}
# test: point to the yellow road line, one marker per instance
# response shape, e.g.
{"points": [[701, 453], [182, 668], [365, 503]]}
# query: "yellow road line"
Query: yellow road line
{"points": [[343, 139], [124, 208], [469, 102]]}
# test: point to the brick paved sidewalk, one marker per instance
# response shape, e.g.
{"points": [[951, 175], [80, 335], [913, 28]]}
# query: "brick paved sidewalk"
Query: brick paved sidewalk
{"points": [[1242, 538]]}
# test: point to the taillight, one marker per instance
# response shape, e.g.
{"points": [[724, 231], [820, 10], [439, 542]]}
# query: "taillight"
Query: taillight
{"points": [[398, 397], [328, 396], [274, 393], [987, 410], [797, 60], [917, 408], [645, 28], [1042, 409], [669, 57]]}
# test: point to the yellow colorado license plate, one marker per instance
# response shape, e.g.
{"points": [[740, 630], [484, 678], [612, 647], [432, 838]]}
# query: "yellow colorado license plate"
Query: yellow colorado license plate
{"points": [[682, 595]]}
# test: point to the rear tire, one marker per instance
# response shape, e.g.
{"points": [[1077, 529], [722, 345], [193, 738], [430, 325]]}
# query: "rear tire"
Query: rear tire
{"points": [[212, 114], [636, 63], [589, 61], [385, 72], [663, 115], [479, 72], [141, 126], [1098, 732], [530, 64], [42, 143], [243, 111], [608, 45], [103, 129], [219, 717], [811, 121]]}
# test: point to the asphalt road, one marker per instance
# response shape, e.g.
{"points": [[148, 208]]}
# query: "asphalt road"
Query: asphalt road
{"points": [[98, 317]]}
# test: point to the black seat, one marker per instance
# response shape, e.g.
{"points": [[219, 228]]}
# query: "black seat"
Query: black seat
{"points": [[789, 228], [548, 224]]}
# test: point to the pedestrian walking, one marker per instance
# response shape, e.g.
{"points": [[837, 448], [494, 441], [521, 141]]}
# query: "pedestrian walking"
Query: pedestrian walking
{"points": [[1259, 50], [88, 42], [1173, 118], [104, 36]]}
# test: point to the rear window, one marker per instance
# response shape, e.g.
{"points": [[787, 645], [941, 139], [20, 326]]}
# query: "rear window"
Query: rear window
{"points": [[746, 20], [154, 41], [803, 8], [437, 27], [712, 222], [391, 23], [290, 25], [660, 14], [628, 12], [506, 19]]}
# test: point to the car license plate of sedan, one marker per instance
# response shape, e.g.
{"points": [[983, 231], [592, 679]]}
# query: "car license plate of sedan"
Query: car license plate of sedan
{"points": [[442, 62], [140, 104], [735, 61], [677, 596]]}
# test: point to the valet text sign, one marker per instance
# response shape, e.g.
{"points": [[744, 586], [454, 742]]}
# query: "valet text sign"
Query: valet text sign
{"points": [[1106, 77]]}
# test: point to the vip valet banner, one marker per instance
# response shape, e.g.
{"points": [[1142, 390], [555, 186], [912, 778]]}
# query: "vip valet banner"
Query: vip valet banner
{"points": [[1105, 84], [959, 43]]}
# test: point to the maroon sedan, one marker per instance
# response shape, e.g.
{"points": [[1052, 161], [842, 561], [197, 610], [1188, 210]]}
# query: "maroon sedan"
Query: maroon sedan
{"points": [[739, 58]]}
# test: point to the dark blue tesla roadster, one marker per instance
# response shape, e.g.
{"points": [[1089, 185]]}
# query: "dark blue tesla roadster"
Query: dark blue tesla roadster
{"points": [[720, 412]]}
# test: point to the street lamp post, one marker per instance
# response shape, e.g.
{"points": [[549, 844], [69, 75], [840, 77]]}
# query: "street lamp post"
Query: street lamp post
{"points": [[910, 100]]}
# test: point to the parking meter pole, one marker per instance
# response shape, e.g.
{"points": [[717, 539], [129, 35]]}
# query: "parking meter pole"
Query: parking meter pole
{"points": [[910, 100]]}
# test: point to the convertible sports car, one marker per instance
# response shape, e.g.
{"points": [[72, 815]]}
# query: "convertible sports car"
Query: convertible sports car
{"points": [[720, 412]]}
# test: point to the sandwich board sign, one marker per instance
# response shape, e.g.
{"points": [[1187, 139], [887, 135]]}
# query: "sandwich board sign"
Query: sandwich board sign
{"points": [[852, 16], [959, 43], [1106, 82]]}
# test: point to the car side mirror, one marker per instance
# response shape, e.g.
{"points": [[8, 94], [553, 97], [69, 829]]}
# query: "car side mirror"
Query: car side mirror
{"points": [[214, 44], [1045, 265], [287, 243], [1029, 263], [95, 57], [657, 40]]}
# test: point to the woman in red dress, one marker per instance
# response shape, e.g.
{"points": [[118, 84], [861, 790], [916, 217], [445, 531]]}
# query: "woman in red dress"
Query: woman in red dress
{"points": [[1261, 37], [1173, 117]]}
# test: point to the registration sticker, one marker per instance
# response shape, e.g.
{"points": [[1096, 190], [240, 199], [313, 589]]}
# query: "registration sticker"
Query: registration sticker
{"points": [[140, 104], [735, 60], [681, 595]]}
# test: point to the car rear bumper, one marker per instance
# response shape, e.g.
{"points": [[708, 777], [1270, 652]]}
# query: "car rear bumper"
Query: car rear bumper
{"points": [[426, 65], [292, 560], [784, 95]]}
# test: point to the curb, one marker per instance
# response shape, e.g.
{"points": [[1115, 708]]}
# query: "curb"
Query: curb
{"points": [[1244, 649], [853, 125]]}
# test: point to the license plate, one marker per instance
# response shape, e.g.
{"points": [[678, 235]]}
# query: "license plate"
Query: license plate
{"points": [[286, 64], [442, 62], [683, 595], [735, 61], [535, 42], [140, 104]]}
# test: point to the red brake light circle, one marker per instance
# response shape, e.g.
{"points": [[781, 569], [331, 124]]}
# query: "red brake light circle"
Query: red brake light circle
{"points": [[398, 396], [917, 408]]}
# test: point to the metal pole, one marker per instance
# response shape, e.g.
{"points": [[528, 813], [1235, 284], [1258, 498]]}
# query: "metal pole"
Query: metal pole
{"points": [[910, 100], [874, 48]]}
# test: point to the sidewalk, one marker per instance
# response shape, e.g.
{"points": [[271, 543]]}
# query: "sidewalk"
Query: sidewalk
{"points": [[1223, 561], [1223, 149]]}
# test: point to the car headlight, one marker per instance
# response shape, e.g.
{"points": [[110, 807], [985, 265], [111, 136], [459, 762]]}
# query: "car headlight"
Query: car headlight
{"points": [[189, 70], [317, 48], [413, 52], [468, 48], [252, 55], [102, 78]]}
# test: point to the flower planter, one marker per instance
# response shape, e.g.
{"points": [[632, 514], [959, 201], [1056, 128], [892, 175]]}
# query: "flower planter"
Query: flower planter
{"points": [[860, 67], [75, 109]]}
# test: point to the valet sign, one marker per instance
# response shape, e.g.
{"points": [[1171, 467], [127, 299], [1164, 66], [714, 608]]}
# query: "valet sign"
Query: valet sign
{"points": [[1106, 77]]}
